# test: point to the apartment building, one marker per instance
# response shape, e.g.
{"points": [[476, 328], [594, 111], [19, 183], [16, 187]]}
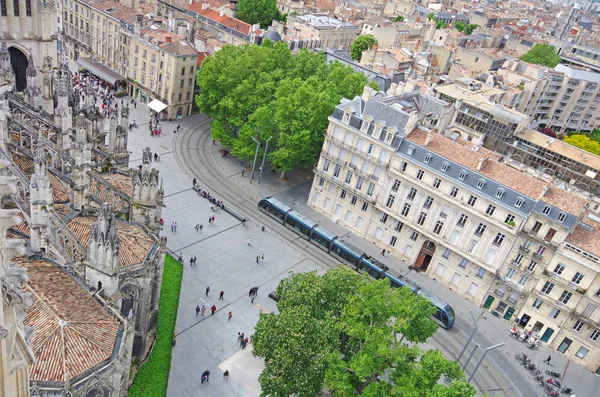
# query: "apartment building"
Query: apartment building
{"points": [[330, 32], [529, 79], [479, 117], [455, 211], [162, 66]]}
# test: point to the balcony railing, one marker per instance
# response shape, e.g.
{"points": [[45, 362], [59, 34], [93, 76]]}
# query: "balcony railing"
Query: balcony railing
{"points": [[523, 248]]}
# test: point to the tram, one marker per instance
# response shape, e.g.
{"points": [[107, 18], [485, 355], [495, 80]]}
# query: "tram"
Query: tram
{"points": [[329, 242]]}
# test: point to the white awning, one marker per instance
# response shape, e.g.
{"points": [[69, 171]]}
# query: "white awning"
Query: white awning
{"points": [[157, 106]]}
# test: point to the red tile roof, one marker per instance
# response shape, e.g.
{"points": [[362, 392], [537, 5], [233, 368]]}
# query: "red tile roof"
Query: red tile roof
{"points": [[72, 331], [584, 238], [225, 20], [134, 242]]}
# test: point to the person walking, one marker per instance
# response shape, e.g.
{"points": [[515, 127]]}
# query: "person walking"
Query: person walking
{"points": [[262, 257], [197, 227], [207, 290], [547, 361], [175, 226], [250, 292], [201, 226], [229, 315], [213, 220], [257, 260], [252, 299], [172, 226], [195, 261], [192, 261], [383, 252], [197, 309], [226, 374], [221, 295], [213, 309], [249, 242], [203, 311], [180, 258]]}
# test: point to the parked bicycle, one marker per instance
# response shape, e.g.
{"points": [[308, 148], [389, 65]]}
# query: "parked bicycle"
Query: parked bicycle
{"points": [[553, 374]]}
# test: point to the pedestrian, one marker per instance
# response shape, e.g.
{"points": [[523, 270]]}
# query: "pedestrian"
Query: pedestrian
{"points": [[207, 290], [192, 261], [250, 292], [197, 227], [383, 252], [226, 374], [249, 242], [172, 226], [547, 361], [201, 226], [203, 377], [203, 311], [207, 372], [241, 338], [197, 309], [243, 170], [213, 309], [209, 220], [244, 222], [221, 295], [229, 315], [181, 258], [255, 290], [175, 226], [195, 261], [252, 299], [213, 220], [194, 182], [262, 257], [155, 157], [257, 259]]}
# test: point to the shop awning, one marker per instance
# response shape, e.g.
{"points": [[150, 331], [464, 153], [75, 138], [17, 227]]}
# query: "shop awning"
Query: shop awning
{"points": [[157, 106], [100, 70]]}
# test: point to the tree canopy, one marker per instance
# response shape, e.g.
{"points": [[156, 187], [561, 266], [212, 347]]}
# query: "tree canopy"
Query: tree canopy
{"points": [[262, 12], [263, 91], [399, 18], [583, 142], [361, 43], [542, 54], [466, 28], [348, 333]]}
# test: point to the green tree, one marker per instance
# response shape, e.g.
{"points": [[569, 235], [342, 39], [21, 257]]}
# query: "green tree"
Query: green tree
{"points": [[583, 142], [542, 54], [431, 16], [347, 332], [362, 42], [466, 28], [262, 12], [399, 18]]}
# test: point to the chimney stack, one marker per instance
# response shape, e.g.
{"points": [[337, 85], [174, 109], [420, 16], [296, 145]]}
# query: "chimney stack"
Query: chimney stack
{"points": [[482, 160], [429, 137]]}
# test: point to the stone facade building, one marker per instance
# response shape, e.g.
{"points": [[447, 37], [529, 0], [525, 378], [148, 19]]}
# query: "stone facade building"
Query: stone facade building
{"points": [[81, 258], [457, 212]]}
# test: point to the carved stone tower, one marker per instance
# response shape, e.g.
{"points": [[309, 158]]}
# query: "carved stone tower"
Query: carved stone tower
{"points": [[32, 92], [81, 152], [147, 195], [117, 139], [63, 113], [5, 59], [15, 353], [103, 251], [40, 202]]}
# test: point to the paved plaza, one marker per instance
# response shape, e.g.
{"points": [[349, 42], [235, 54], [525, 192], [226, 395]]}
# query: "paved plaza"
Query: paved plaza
{"points": [[225, 262]]}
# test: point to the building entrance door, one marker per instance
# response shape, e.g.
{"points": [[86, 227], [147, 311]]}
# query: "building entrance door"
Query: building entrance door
{"points": [[425, 256], [564, 345]]}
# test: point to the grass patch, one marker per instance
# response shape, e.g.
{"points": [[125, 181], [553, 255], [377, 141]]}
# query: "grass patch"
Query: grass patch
{"points": [[151, 380]]}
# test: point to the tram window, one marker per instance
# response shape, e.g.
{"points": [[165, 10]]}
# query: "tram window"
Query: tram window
{"points": [[438, 314], [320, 240]]}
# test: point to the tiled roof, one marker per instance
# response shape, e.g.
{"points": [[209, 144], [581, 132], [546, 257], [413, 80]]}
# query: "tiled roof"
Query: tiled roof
{"points": [[27, 167], [120, 181], [24, 163], [62, 209], [72, 331], [588, 240], [569, 202], [134, 242], [225, 20], [22, 228], [461, 152]]}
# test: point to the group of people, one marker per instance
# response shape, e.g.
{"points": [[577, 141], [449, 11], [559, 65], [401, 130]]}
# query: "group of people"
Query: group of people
{"points": [[243, 340]]}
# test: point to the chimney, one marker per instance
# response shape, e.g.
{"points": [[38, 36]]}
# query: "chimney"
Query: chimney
{"points": [[168, 39], [482, 160], [429, 137], [221, 12], [367, 93], [204, 6], [546, 187]]}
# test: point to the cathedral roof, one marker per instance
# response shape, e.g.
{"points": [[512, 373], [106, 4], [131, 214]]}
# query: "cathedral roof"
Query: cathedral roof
{"points": [[120, 181], [73, 333], [23, 228], [27, 167], [134, 242]]}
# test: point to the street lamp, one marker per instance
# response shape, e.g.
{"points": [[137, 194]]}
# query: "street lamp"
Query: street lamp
{"points": [[481, 360], [262, 167], [255, 157]]}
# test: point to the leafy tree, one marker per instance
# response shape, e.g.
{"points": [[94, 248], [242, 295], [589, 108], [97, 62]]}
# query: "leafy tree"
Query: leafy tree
{"points": [[431, 16], [441, 25], [362, 42], [346, 332], [466, 28], [263, 91], [542, 54], [262, 12], [399, 18], [583, 142]]}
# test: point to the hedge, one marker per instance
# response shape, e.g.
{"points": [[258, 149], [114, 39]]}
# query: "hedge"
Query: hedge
{"points": [[152, 378]]}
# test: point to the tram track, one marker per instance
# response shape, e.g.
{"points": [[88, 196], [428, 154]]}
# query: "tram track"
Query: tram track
{"points": [[194, 150]]}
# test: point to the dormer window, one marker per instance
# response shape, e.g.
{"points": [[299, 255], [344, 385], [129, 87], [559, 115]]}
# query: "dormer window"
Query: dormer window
{"points": [[388, 137], [499, 193], [546, 210], [562, 216], [428, 158], [519, 202], [365, 126], [411, 150], [462, 175], [346, 118], [377, 132], [445, 166], [480, 183]]}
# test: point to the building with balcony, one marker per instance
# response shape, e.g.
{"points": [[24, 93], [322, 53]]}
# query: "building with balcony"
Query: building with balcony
{"points": [[455, 210], [328, 31]]}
